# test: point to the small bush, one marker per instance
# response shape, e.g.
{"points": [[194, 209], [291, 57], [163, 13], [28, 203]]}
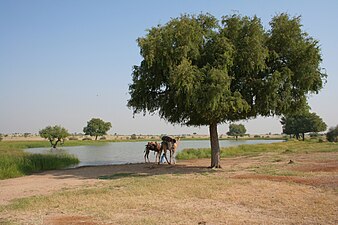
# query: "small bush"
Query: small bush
{"points": [[103, 138], [73, 139], [332, 134], [86, 139], [257, 136]]}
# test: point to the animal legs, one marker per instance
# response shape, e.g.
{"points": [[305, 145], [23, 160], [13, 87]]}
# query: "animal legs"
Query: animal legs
{"points": [[146, 156], [164, 148]]}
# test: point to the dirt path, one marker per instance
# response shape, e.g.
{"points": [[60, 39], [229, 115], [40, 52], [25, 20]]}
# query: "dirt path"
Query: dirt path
{"points": [[51, 181], [238, 168]]}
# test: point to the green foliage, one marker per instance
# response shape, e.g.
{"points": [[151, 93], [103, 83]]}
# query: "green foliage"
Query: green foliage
{"points": [[332, 134], [194, 154], [54, 134], [96, 127], [14, 162], [234, 69], [197, 70], [236, 130], [302, 123], [22, 164]]}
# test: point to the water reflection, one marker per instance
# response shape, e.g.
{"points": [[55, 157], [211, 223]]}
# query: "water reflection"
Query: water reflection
{"points": [[130, 152]]}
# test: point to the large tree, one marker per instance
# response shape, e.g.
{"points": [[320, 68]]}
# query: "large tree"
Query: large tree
{"points": [[96, 127], [236, 130], [54, 134], [301, 123], [198, 71]]}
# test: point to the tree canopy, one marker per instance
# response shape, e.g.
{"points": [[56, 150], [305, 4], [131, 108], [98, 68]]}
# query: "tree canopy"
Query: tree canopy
{"points": [[54, 134], [236, 130], [96, 127], [302, 123], [197, 70]]}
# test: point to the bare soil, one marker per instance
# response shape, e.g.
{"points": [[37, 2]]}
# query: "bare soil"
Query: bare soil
{"points": [[316, 170]]}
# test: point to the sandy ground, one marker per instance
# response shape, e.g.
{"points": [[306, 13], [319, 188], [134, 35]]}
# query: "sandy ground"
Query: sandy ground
{"points": [[323, 168], [51, 181], [239, 168]]}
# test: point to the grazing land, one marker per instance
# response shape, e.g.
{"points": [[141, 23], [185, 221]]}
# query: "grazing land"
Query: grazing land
{"points": [[287, 183]]}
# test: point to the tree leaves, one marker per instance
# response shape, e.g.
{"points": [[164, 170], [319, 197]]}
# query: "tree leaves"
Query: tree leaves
{"points": [[54, 134], [302, 123], [96, 127], [199, 71]]}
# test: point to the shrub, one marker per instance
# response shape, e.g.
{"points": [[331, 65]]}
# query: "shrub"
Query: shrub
{"points": [[332, 134], [103, 138], [86, 139], [73, 138]]}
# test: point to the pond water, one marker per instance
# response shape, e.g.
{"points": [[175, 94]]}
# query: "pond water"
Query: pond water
{"points": [[130, 152]]}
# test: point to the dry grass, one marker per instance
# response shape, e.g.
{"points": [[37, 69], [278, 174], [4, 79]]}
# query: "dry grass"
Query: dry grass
{"points": [[248, 190], [188, 199]]}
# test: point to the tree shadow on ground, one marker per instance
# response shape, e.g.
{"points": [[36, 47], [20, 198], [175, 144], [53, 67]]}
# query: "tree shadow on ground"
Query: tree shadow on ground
{"points": [[126, 170]]}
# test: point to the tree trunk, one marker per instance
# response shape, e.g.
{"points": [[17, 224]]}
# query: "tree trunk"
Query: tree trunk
{"points": [[297, 136], [96, 138], [215, 150], [303, 135], [54, 145]]}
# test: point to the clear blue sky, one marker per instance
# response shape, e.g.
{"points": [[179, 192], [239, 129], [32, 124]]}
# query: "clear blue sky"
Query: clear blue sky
{"points": [[66, 61]]}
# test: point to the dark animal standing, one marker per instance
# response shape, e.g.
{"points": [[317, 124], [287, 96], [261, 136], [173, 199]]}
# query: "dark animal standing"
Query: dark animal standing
{"points": [[152, 146]]}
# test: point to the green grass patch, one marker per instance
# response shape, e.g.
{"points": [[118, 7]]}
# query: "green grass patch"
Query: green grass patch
{"points": [[194, 153], [290, 147], [14, 162], [22, 164]]}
